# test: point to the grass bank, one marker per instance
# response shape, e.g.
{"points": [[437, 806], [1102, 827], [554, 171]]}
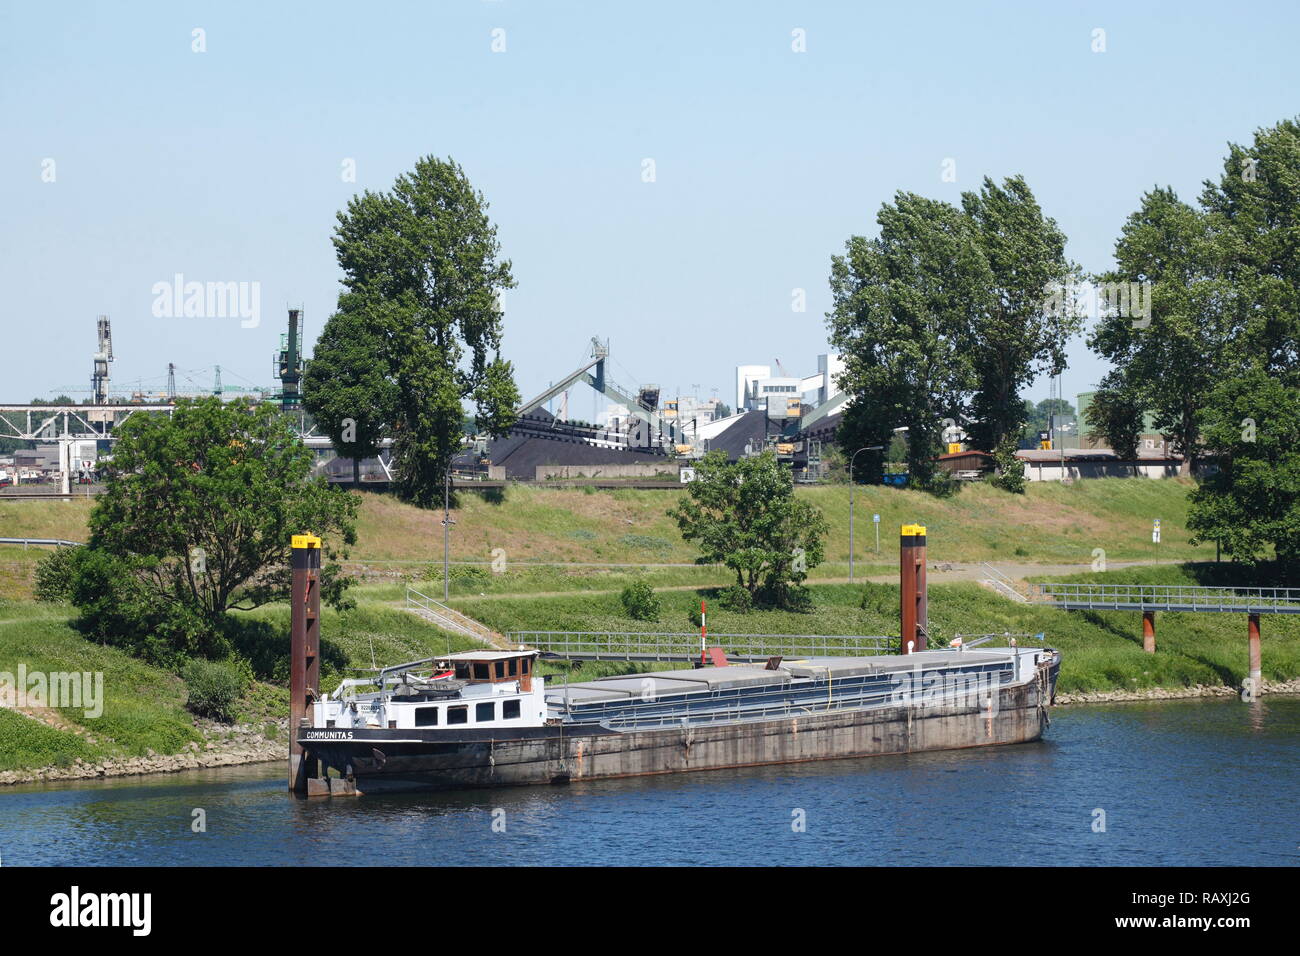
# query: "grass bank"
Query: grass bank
{"points": [[1102, 651]]}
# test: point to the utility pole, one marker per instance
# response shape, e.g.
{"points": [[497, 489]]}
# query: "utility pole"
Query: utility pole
{"points": [[852, 459]]}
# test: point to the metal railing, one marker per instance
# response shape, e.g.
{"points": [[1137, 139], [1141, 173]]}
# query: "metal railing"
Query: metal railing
{"points": [[449, 619], [653, 646], [1002, 584], [57, 542], [945, 685], [1163, 597]]}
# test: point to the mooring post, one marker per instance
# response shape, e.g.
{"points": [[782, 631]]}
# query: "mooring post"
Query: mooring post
{"points": [[1149, 631], [1255, 679], [912, 589], [304, 651]]}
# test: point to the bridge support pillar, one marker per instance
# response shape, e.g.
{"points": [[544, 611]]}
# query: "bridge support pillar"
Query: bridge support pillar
{"points": [[1149, 631], [1254, 679]]}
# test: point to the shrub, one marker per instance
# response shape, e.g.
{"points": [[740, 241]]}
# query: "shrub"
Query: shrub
{"points": [[736, 599], [640, 601], [214, 687], [54, 576], [879, 599]]}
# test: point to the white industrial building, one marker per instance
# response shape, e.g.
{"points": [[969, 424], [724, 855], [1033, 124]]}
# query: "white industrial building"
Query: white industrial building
{"points": [[758, 388]]}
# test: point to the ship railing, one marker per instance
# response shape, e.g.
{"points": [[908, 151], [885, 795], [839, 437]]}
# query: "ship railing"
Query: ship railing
{"points": [[647, 645], [900, 693], [805, 696], [1165, 597]]}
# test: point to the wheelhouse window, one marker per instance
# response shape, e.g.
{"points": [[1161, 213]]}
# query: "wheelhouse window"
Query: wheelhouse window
{"points": [[458, 715], [509, 709], [426, 716], [501, 670], [481, 671], [484, 712]]}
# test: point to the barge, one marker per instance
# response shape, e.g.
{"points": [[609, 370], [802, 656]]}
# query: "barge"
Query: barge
{"points": [[486, 719]]}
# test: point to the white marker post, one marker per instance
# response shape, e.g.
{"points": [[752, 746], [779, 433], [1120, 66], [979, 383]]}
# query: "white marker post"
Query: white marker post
{"points": [[875, 519], [1155, 532]]}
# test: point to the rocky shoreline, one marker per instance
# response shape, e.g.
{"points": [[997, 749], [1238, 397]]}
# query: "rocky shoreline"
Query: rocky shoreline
{"points": [[1177, 693], [226, 746]]}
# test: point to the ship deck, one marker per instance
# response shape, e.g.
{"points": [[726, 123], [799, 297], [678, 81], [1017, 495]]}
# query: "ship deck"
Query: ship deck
{"points": [[751, 692]]}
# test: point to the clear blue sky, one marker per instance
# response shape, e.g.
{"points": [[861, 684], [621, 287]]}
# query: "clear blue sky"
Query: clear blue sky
{"points": [[225, 165]]}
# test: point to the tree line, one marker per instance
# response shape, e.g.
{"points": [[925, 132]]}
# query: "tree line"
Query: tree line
{"points": [[950, 311]]}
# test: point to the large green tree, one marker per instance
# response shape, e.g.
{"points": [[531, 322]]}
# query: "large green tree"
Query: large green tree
{"points": [[1015, 339], [745, 515], [348, 389], [1172, 352], [422, 264], [904, 305], [196, 520], [1252, 416]]}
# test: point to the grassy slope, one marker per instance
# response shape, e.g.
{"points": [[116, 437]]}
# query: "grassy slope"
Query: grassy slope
{"points": [[1102, 650], [143, 705], [1049, 524]]}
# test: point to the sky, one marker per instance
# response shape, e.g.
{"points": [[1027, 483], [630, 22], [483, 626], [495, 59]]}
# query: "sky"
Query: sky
{"points": [[215, 141]]}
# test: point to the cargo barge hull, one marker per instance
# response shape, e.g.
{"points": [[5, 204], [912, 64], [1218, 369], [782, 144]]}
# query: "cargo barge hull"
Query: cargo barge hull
{"points": [[371, 760]]}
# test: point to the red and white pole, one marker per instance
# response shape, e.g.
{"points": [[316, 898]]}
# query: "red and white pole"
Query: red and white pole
{"points": [[704, 632]]}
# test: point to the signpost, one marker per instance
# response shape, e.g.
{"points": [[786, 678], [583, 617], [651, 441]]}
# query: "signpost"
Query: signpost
{"points": [[875, 519], [1155, 532]]}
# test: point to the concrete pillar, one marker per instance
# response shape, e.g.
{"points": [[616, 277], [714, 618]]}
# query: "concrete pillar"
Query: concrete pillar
{"points": [[913, 617], [1149, 631], [304, 651]]}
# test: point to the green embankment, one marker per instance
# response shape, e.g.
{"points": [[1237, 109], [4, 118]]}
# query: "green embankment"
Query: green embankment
{"points": [[398, 544], [142, 707], [1101, 650]]}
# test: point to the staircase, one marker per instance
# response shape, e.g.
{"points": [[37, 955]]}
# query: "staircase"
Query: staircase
{"points": [[1002, 584], [449, 619]]}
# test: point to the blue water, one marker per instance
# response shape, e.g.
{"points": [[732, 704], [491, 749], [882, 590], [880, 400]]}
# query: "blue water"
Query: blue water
{"points": [[1199, 782]]}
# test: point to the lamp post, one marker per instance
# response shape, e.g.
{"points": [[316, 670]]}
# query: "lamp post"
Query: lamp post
{"points": [[446, 532], [852, 459]]}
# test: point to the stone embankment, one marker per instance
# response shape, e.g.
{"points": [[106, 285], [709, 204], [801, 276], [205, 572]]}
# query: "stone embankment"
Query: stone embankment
{"points": [[225, 746], [1175, 693]]}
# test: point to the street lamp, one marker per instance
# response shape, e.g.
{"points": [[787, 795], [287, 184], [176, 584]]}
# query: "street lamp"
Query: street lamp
{"points": [[852, 459], [446, 531]]}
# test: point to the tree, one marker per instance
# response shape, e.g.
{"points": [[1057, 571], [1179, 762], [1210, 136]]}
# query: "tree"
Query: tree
{"points": [[196, 520], [1170, 250], [1038, 418], [348, 390], [421, 265], [1252, 416], [1252, 500], [1116, 414], [1015, 338], [745, 516], [903, 308]]}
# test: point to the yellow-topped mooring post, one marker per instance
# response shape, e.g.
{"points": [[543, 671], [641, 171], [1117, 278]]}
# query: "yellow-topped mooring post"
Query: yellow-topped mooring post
{"points": [[304, 651], [912, 589]]}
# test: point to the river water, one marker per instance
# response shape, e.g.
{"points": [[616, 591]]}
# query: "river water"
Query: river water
{"points": [[1197, 782]]}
